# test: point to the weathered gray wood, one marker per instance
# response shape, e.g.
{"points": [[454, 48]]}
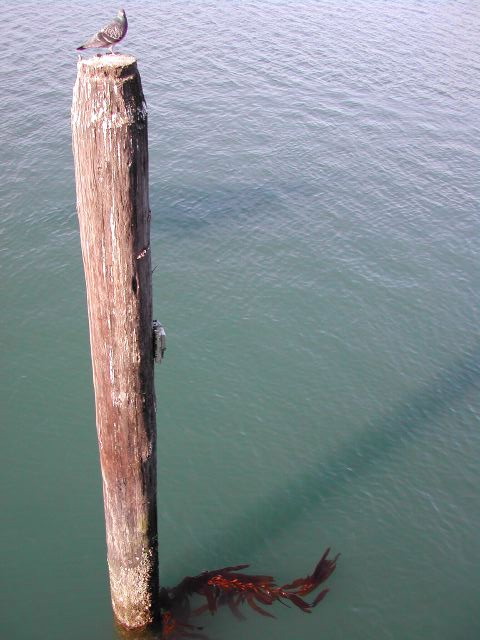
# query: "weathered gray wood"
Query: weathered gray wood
{"points": [[109, 125]]}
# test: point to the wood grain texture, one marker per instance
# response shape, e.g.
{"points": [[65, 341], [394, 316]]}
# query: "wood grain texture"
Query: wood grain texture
{"points": [[110, 145]]}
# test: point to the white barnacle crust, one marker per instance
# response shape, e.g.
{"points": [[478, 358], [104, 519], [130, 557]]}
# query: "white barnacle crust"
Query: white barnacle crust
{"points": [[129, 584]]}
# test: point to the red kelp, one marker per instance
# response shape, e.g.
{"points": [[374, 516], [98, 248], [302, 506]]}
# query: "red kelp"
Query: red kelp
{"points": [[229, 587]]}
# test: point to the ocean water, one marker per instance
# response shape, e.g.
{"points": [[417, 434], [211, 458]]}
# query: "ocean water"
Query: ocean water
{"points": [[314, 189]]}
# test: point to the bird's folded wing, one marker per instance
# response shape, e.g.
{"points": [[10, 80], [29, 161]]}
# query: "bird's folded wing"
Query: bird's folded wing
{"points": [[98, 40], [112, 32]]}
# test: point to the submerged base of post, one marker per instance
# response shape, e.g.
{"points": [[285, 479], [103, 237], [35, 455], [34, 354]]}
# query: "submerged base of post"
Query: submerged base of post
{"points": [[109, 124]]}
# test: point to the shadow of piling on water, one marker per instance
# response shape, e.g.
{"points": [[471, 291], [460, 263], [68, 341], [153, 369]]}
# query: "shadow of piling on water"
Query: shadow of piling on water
{"points": [[255, 528]]}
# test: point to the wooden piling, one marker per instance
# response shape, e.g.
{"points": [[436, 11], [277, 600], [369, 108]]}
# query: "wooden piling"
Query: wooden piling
{"points": [[109, 126]]}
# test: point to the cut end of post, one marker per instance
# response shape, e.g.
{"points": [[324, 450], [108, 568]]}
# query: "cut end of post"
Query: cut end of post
{"points": [[107, 86], [107, 62]]}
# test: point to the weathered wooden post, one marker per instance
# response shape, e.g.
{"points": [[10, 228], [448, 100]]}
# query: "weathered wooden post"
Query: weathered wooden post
{"points": [[110, 146]]}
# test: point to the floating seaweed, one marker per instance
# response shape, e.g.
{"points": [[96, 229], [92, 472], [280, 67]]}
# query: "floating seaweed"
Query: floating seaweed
{"points": [[228, 586]]}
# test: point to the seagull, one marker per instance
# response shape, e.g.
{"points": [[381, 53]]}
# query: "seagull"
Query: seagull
{"points": [[110, 35]]}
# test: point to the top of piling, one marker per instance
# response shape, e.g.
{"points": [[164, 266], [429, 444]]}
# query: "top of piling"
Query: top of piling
{"points": [[107, 64], [108, 90]]}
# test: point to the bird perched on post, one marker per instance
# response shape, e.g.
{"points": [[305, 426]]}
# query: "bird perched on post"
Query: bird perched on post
{"points": [[110, 35]]}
